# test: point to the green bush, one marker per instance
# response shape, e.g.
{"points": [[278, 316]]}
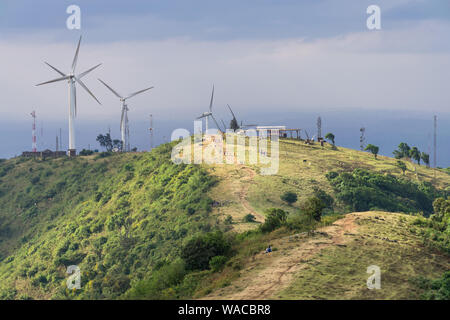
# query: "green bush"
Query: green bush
{"points": [[363, 190], [199, 250], [228, 220], [313, 208], [301, 221], [275, 218], [438, 289], [216, 263], [85, 152], [158, 285], [248, 218], [289, 197], [326, 199]]}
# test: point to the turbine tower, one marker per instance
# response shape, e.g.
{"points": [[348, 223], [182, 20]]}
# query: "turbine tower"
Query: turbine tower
{"points": [[124, 129], [71, 80], [209, 113]]}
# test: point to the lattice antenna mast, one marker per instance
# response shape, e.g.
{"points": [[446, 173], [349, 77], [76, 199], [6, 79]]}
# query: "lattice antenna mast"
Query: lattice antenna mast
{"points": [[319, 128], [33, 132], [435, 142], [362, 138], [57, 144], [151, 132]]}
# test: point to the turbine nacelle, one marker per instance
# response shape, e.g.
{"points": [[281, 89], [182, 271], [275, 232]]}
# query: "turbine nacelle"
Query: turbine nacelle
{"points": [[71, 75], [205, 114]]}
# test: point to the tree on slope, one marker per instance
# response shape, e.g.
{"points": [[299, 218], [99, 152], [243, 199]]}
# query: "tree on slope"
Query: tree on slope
{"points": [[414, 153], [372, 148], [331, 137], [402, 166], [403, 151], [425, 158], [105, 141]]}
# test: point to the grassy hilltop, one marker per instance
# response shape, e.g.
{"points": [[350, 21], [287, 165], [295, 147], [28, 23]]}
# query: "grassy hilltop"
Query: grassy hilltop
{"points": [[139, 226]]}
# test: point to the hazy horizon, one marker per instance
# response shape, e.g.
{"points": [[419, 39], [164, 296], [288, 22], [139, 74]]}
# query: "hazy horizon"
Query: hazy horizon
{"points": [[386, 130]]}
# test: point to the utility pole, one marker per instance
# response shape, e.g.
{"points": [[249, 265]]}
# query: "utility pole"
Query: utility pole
{"points": [[56, 149], [33, 132]]}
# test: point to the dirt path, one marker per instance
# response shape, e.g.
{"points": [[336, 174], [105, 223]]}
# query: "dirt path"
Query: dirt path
{"points": [[244, 191], [270, 273]]}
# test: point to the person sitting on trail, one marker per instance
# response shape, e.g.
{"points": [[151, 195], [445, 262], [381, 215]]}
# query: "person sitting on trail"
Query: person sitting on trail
{"points": [[269, 249]]}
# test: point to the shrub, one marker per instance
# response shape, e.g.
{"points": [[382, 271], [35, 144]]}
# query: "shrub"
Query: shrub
{"points": [[326, 199], [275, 218], [289, 197], [199, 250], [313, 208], [85, 152], [158, 286], [300, 221], [216, 263], [363, 190], [438, 289], [228, 220], [103, 155], [248, 218]]}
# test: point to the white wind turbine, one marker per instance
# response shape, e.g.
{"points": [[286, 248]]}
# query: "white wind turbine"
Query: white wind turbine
{"points": [[209, 113], [124, 130], [72, 79]]}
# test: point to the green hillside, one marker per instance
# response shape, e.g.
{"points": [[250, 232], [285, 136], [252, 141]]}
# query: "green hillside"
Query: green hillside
{"points": [[139, 226], [117, 217]]}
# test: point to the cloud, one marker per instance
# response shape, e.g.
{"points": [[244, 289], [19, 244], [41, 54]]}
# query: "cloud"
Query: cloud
{"points": [[404, 69]]}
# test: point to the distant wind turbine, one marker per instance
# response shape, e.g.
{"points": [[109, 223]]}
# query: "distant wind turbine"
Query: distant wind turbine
{"points": [[209, 113], [124, 129], [234, 123], [72, 79]]}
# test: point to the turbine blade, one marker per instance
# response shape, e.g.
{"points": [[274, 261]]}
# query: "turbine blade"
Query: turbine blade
{"points": [[218, 127], [54, 80], [85, 88], [138, 92], [202, 116], [60, 72], [81, 75], [232, 113], [212, 98], [224, 125], [75, 58], [111, 89]]}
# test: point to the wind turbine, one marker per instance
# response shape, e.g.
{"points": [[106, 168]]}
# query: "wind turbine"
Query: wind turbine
{"points": [[124, 129], [209, 113], [235, 122], [71, 80]]}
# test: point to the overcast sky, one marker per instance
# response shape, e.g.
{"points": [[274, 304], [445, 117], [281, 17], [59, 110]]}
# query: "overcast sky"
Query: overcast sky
{"points": [[266, 59]]}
